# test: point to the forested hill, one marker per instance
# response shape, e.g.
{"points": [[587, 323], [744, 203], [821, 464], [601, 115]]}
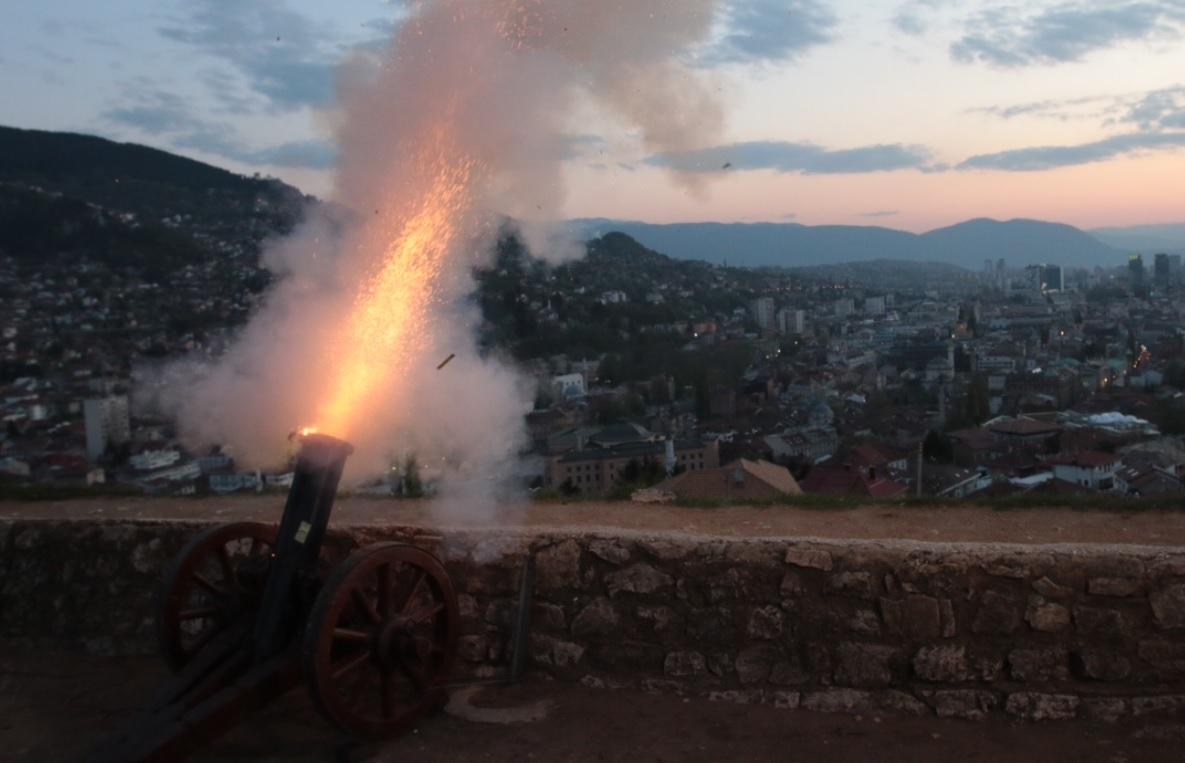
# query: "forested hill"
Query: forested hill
{"points": [[147, 182]]}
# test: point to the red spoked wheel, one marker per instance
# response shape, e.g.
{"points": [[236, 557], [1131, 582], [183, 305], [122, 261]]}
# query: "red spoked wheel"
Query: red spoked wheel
{"points": [[215, 582], [381, 640]]}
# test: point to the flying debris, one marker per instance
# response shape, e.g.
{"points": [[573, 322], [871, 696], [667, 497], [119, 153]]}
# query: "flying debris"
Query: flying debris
{"points": [[446, 361]]}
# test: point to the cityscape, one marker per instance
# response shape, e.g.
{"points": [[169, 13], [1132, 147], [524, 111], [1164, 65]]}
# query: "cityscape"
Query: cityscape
{"points": [[1018, 379]]}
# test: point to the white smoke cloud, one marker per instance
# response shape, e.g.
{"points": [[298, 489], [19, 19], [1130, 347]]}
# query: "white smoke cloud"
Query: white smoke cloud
{"points": [[490, 85]]}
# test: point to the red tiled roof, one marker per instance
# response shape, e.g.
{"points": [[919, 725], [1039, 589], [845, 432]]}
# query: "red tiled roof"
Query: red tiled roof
{"points": [[1024, 427], [1087, 459]]}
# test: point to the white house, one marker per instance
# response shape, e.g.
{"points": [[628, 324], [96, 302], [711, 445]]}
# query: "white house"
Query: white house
{"points": [[1090, 469]]}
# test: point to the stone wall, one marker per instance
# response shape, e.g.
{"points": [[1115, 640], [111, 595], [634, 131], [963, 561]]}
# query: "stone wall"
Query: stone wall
{"points": [[960, 630]]}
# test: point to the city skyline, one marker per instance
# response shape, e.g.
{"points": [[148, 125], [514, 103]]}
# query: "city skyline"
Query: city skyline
{"points": [[914, 115]]}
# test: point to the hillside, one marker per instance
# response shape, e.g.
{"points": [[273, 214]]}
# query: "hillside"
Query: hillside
{"points": [[1147, 239], [153, 184], [966, 245]]}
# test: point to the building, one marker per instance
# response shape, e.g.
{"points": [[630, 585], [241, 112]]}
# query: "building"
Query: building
{"points": [[791, 321], [762, 311], [107, 424], [741, 480], [599, 469], [844, 307], [874, 306], [1135, 271], [1161, 269], [1090, 469], [569, 386], [1052, 278]]}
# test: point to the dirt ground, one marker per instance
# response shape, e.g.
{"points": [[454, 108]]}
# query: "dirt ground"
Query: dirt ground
{"points": [[55, 706], [949, 524]]}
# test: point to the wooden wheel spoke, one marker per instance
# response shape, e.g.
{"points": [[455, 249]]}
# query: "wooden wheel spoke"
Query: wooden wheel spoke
{"points": [[350, 634], [203, 639], [383, 573], [424, 613], [406, 597], [228, 569], [208, 584], [366, 605], [198, 613], [343, 669]]}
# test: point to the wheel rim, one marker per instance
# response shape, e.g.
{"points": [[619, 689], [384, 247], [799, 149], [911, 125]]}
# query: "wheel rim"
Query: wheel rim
{"points": [[216, 581], [381, 639]]}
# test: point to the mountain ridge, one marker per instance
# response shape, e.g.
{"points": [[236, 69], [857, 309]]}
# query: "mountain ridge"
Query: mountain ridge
{"points": [[968, 244]]}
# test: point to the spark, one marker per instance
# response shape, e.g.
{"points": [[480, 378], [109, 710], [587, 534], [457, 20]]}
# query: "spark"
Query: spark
{"points": [[389, 327]]}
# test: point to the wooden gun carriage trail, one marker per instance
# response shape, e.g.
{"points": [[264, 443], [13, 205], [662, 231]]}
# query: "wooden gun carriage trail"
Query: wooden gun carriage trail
{"points": [[247, 611]]}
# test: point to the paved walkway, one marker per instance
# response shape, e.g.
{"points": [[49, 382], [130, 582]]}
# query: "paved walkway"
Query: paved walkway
{"points": [[54, 706]]}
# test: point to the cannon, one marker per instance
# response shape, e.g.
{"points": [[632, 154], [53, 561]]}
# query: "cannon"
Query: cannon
{"points": [[246, 612]]}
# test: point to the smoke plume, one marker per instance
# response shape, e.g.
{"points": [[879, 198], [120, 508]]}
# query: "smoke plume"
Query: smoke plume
{"points": [[463, 120]]}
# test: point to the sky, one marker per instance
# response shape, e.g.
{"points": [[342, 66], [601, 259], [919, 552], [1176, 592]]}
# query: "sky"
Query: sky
{"points": [[909, 114]]}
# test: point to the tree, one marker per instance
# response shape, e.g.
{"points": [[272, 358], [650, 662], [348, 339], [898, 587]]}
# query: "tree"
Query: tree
{"points": [[938, 448], [413, 487]]}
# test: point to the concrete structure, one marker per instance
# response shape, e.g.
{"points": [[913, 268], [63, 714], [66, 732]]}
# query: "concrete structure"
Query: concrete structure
{"points": [[791, 321], [568, 386], [599, 469], [844, 307], [762, 310], [107, 423], [874, 306]]}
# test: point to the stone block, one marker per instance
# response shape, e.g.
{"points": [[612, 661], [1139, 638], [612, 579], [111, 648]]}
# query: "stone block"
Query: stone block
{"points": [[864, 622], [967, 704], [684, 664], [859, 584], [554, 652], [792, 585], [741, 697], [612, 551], [1052, 590], [786, 700], [662, 618], [838, 701], [1046, 616], [1104, 709], [472, 648], [1167, 657], [598, 618], [815, 559], [901, 702], [863, 664], [639, 578], [1039, 665], [1099, 623], [1168, 605], [1100, 664], [548, 616], [1035, 706], [942, 664], [997, 614], [786, 673], [558, 567], [1113, 586], [753, 664], [1164, 704], [914, 617], [765, 623]]}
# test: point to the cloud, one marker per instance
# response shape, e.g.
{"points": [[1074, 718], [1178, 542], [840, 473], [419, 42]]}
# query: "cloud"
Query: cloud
{"points": [[770, 30], [803, 158], [1159, 110], [1012, 37], [170, 117], [911, 17], [1063, 109], [284, 57], [1053, 157], [882, 213]]}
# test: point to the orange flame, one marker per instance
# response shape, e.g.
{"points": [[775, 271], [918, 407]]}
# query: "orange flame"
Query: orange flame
{"points": [[388, 328]]}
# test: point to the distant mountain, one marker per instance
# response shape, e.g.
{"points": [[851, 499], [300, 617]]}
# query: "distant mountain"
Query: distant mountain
{"points": [[1145, 239], [968, 244]]}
